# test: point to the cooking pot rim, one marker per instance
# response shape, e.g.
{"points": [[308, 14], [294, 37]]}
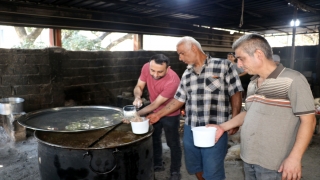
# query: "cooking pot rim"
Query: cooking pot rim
{"points": [[12, 100], [25, 119], [36, 133]]}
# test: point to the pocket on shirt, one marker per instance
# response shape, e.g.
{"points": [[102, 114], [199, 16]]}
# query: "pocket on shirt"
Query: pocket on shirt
{"points": [[212, 84]]}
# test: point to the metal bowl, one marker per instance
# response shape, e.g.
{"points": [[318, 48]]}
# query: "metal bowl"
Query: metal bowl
{"points": [[11, 105]]}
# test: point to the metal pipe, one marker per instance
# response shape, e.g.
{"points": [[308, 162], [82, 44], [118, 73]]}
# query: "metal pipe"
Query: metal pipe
{"points": [[317, 92], [293, 49]]}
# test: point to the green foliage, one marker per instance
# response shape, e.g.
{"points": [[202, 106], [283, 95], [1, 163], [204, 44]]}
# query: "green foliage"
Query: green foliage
{"points": [[27, 44], [73, 40]]}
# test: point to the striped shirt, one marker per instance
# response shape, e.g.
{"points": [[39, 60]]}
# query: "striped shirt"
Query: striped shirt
{"points": [[207, 95], [272, 120]]}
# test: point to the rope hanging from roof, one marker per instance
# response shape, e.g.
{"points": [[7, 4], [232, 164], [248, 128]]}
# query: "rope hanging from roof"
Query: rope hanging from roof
{"points": [[241, 19]]}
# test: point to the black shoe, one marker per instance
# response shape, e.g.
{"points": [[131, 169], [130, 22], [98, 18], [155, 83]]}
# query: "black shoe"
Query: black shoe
{"points": [[158, 168], [175, 176]]}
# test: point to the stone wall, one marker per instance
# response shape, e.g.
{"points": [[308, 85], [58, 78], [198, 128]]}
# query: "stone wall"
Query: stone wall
{"points": [[47, 78]]}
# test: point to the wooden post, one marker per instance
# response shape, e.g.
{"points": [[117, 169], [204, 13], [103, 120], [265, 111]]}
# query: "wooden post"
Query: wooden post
{"points": [[55, 37], [51, 38], [137, 42]]}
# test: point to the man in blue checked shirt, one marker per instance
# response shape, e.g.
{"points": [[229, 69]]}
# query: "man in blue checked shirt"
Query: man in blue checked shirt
{"points": [[210, 88]]}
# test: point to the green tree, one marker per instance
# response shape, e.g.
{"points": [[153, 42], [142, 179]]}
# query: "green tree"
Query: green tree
{"points": [[27, 37], [74, 40], [71, 39]]}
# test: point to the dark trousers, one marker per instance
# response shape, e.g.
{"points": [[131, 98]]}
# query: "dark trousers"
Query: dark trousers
{"points": [[170, 125]]}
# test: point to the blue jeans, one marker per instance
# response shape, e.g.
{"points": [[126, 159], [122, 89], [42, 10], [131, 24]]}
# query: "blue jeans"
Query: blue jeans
{"points": [[170, 125], [209, 160], [256, 172]]}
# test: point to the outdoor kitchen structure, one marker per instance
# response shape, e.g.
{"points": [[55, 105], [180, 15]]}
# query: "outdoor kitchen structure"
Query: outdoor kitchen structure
{"points": [[54, 79]]}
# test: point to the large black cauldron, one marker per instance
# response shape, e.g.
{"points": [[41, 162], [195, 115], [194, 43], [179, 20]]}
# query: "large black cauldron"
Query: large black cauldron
{"points": [[121, 155], [87, 143]]}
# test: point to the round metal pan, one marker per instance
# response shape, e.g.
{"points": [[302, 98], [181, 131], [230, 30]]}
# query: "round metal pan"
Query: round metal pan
{"points": [[72, 119]]}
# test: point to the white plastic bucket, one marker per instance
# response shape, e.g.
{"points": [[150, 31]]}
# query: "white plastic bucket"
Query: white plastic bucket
{"points": [[140, 127], [204, 136]]}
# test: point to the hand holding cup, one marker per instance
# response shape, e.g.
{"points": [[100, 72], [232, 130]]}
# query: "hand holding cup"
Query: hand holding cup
{"points": [[137, 102]]}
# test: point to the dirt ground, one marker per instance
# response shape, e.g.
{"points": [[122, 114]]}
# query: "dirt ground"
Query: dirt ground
{"points": [[18, 161]]}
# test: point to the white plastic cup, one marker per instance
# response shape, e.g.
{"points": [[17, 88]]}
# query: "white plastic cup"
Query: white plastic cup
{"points": [[129, 111], [140, 127], [204, 136]]}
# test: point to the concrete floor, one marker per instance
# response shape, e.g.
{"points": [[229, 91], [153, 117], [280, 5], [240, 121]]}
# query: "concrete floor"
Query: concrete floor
{"points": [[18, 161]]}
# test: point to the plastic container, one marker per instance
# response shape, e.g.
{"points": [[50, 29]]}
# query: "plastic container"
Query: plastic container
{"points": [[204, 136], [129, 111], [140, 127]]}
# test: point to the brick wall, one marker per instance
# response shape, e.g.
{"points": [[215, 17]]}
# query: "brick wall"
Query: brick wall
{"points": [[46, 78], [26, 74]]}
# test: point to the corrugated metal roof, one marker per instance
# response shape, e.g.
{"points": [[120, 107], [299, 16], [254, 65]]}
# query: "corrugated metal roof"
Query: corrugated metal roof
{"points": [[262, 16]]}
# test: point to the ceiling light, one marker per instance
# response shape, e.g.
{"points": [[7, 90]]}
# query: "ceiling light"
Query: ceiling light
{"points": [[297, 23]]}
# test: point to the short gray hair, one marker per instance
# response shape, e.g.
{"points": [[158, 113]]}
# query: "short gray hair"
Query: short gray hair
{"points": [[252, 42], [189, 41]]}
